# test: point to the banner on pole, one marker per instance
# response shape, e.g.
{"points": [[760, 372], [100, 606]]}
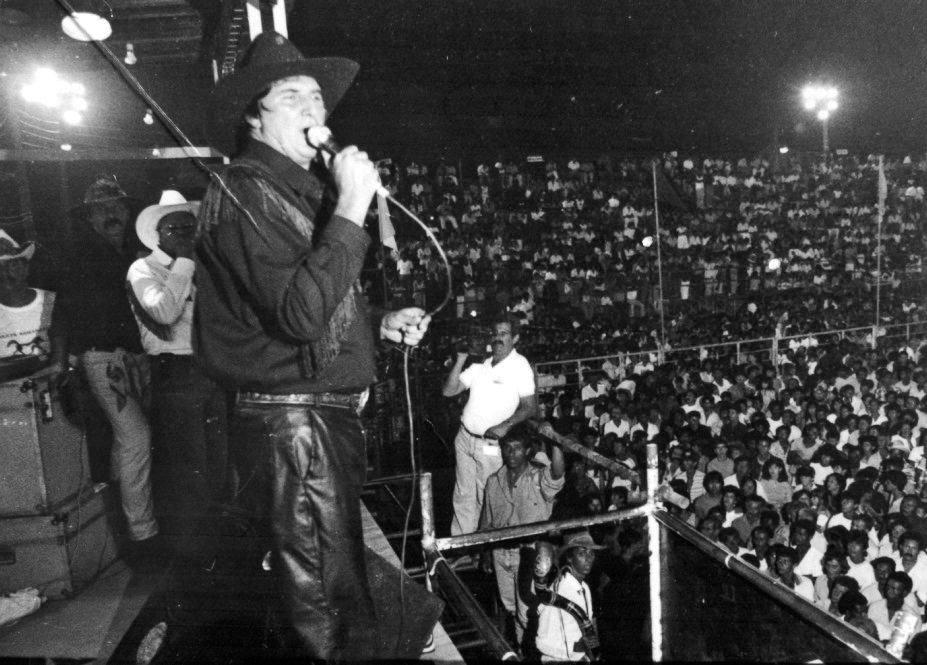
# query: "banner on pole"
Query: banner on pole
{"points": [[387, 232], [666, 191]]}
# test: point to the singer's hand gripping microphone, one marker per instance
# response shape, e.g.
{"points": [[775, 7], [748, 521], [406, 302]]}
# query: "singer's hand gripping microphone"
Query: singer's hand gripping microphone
{"points": [[321, 138]]}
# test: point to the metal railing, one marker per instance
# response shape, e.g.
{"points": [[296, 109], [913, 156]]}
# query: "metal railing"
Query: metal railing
{"points": [[844, 638], [463, 599], [850, 642], [764, 349]]}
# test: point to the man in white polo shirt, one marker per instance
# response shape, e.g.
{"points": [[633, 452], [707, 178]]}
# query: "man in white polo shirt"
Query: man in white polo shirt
{"points": [[502, 394]]}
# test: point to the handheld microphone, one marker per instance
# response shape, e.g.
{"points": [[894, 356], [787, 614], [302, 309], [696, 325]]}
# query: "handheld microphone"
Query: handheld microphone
{"points": [[321, 138]]}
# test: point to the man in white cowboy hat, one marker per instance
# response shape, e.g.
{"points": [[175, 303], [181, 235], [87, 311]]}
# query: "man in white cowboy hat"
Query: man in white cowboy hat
{"points": [[25, 313], [280, 319], [188, 414], [93, 327]]}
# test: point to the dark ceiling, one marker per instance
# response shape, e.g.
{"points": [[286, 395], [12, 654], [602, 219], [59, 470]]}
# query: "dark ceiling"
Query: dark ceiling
{"points": [[523, 76]]}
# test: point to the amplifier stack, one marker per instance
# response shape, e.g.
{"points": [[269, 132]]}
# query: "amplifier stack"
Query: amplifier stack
{"points": [[55, 526]]}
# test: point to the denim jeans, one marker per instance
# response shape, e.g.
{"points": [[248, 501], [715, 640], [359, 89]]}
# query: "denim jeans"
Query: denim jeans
{"points": [[119, 382], [301, 470]]}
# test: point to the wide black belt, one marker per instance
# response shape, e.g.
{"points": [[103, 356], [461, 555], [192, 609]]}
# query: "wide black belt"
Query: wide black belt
{"points": [[478, 436]]}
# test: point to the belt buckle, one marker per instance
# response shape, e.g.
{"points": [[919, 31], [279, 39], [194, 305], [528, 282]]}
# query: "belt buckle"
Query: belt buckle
{"points": [[362, 400]]}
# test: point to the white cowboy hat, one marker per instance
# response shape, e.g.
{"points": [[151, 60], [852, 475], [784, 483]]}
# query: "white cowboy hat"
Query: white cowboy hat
{"points": [[146, 226]]}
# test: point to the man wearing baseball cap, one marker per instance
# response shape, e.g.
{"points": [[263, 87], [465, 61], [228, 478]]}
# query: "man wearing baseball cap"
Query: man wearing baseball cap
{"points": [[281, 320], [188, 414]]}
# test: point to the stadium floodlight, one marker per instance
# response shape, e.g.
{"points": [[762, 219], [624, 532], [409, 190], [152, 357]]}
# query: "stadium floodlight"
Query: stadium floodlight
{"points": [[822, 101], [61, 97]]}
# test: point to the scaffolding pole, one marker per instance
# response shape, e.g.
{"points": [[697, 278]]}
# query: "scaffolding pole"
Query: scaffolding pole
{"points": [[653, 533], [537, 529]]}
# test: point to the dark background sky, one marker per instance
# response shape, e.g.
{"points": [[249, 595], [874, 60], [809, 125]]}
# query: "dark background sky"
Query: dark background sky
{"points": [[513, 77]]}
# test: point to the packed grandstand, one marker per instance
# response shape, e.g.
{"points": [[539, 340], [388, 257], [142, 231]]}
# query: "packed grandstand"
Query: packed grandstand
{"points": [[789, 329]]}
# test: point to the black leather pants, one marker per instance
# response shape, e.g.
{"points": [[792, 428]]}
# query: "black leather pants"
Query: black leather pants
{"points": [[301, 470]]}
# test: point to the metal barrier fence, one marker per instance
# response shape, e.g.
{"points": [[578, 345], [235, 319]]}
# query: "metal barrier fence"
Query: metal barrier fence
{"points": [[705, 604], [766, 349], [716, 607], [645, 298]]}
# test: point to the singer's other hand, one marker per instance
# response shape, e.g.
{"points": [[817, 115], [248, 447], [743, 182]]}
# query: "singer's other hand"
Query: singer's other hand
{"points": [[357, 180], [405, 326]]}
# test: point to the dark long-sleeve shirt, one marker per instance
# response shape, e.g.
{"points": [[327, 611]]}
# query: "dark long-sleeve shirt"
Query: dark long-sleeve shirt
{"points": [[264, 290], [92, 310]]}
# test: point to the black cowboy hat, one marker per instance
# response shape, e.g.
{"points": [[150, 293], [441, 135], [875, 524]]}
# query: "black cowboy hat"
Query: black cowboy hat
{"points": [[270, 57]]}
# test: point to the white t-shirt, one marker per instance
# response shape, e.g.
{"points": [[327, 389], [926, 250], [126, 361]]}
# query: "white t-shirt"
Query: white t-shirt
{"points": [[24, 330], [495, 391], [591, 392]]}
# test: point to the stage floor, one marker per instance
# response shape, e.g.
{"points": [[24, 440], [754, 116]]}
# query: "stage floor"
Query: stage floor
{"points": [[91, 625]]}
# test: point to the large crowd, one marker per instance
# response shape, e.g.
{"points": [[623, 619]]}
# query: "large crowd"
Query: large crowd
{"points": [[808, 465], [790, 245], [813, 471]]}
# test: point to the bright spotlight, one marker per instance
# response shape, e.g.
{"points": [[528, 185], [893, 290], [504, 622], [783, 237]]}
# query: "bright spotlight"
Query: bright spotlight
{"points": [[78, 89], [774, 264], [148, 119], [810, 104], [823, 114], [647, 242], [66, 147], [50, 100], [832, 105], [46, 76], [783, 150], [31, 93], [831, 93], [79, 104], [72, 117], [473, 313]]}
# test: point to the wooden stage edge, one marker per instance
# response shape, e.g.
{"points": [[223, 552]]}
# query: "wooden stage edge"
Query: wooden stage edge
{"points": [[445, 651]]}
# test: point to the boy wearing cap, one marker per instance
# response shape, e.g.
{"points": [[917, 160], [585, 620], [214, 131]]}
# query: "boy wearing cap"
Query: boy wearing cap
{"points": [[566, 627]]}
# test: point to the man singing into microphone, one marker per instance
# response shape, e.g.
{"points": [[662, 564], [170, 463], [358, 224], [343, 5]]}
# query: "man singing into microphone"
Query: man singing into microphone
{"points": [[280, 320]]}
